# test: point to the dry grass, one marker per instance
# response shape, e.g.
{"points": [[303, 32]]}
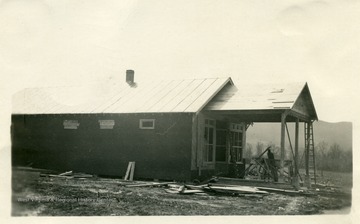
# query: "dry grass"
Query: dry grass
{"points": [[43, 196]]}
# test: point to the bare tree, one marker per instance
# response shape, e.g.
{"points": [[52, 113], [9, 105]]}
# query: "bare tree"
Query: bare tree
{"points": [[259, 148], [248, 151], [321, 151]]}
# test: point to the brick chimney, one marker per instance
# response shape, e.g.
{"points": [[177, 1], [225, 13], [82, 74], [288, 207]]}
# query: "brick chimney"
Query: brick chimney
{"points": [[130, 77]]}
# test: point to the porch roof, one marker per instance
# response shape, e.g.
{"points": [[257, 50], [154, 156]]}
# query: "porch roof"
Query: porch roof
{"points": [[264, 103]]}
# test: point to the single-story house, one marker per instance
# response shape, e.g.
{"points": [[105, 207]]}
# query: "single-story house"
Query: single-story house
{"points": [[174, 129]]}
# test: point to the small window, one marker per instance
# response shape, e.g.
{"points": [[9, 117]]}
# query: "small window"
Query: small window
{"points": [[236, 127], [106, 124], [209, 139], [147, 123], [71, 124]]}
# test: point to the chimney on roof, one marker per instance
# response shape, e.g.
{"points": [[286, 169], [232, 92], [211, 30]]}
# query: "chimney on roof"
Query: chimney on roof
{"points": [[130, 77]]}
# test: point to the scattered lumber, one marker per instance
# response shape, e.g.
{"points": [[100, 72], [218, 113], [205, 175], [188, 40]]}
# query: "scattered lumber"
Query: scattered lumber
{"points": [[129, 175], [191, 191], [66, 177], [177, 191], [281, 191], [253, 183], [196, 187], [172, 191], [82, 175], [149, 184], [68, 173], [237, 189]]}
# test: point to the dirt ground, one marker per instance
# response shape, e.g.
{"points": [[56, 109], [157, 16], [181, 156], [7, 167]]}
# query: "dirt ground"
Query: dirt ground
{"points": [[44, 196]]}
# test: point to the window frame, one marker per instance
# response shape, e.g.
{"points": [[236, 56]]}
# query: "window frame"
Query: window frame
{"points": [[141, 126], [71, 124], [209, 123], [106, 124]]}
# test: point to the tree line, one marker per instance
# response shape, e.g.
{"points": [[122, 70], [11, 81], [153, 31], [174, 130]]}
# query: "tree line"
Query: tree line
{"points": [[328, 157]]}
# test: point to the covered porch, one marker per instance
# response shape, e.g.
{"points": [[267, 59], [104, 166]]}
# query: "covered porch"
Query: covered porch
{"points": [[222, 126]]}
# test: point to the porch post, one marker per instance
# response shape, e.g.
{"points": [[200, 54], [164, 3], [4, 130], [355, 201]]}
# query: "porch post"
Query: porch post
{"points": [[296, 165], [307, 148], [282, 140]]}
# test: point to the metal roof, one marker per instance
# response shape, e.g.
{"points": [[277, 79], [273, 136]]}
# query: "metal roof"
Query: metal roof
{"points": [[187, 95], [257, 97], [264, 97]]}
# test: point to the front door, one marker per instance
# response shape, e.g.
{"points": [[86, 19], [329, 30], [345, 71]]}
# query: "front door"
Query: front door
{"points": [[236, 142]]}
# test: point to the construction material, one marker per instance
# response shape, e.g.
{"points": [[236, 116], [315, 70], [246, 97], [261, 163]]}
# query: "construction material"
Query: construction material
{"points": [[237, 189], [196, 187], [67, 177], [178, 191], [130, 171], [149, 184], [81, 175], [68, 173], [253, 183]]}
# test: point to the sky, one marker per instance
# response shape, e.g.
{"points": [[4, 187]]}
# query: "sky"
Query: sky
{"points": [[66, 42], [80, 42]]}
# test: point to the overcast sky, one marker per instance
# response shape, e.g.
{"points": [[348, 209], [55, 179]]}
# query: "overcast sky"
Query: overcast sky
{"points": [[76, 42], [67, 42]]}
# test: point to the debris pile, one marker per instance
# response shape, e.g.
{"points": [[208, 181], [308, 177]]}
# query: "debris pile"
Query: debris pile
{"points": [[216, 187], [67, 175]]}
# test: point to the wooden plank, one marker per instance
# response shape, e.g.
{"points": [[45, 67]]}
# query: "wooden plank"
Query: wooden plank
{"points": [[237, 189], [276, 190], [66, 173], [132, 171], [149, 184], [191, 191], [67, 177], [196, 187], [82, 176], [172, 191], [244, 182], [127, 171], [184, 191]]}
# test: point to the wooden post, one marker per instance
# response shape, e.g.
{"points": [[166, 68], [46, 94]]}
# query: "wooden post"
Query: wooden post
{"points": [[282, 140], [132, 171], [307, 148], [296, 159]]}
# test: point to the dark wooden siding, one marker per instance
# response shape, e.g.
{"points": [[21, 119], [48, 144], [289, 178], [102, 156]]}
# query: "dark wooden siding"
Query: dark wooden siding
{"points": [[163, 153]]}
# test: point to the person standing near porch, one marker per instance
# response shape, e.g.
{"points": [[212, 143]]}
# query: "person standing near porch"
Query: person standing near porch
{"points": [[272, 165]]}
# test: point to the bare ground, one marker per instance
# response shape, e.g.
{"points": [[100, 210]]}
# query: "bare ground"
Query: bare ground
{"points": [[44, 196]]}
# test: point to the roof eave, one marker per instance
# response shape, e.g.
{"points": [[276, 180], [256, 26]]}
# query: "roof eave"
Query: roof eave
{"points": [[228, 80], [311, 101]]}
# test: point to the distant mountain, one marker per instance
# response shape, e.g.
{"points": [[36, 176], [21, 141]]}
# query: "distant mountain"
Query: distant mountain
{"points": [[269, 133]]}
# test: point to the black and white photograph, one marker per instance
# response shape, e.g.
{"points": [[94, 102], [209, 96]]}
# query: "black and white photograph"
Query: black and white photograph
{"points": [[176, 110]]}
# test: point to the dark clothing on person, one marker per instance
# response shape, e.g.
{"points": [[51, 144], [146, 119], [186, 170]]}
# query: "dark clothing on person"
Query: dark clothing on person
{"points": [[272, 165]]}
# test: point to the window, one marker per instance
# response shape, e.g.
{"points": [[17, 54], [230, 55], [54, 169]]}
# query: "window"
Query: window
{"points": [[106, 124], [71, 124], [236, 142], [209, 139], [147, 123], [220, 145]]}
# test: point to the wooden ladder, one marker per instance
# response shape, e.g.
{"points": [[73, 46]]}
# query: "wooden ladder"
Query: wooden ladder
{"points": [[310, 163]]}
